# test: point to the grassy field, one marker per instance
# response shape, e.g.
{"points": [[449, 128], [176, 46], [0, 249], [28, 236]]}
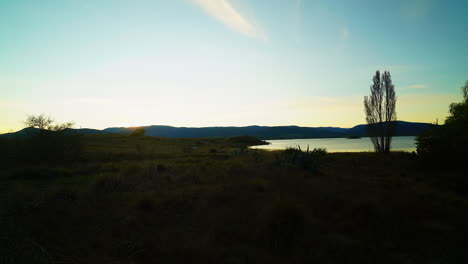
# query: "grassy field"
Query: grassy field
{"points": [[160, 200]]}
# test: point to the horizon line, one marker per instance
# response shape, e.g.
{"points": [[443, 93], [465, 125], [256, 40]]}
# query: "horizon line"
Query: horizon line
{"points": [[219, 126]]}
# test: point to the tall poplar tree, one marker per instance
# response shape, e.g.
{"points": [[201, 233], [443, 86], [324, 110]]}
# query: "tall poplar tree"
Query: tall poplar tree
{"points": [[380, 112]]}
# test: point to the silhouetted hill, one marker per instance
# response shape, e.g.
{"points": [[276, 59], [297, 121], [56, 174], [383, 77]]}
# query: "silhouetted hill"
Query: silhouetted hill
{"points": [[29, 131], [402, 129], [118, 130], [21, 133], [261, 132], [87, 131]]}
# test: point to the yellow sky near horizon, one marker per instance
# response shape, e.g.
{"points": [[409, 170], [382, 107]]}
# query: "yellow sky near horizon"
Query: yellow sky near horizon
{"points": [[345, 111]]}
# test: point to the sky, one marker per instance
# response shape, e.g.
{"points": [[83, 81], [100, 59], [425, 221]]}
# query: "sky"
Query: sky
{"points": [[107, 63]]}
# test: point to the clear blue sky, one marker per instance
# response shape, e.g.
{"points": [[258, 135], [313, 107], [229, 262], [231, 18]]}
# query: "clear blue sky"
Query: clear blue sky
{"points": [[106, 63]]}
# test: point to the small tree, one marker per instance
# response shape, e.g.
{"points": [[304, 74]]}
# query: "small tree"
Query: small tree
{"points": [[46, 123], [380, 112]]}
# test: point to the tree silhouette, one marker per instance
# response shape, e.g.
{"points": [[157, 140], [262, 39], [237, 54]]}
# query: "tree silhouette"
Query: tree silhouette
{"points": [[46, 124], [380, 111], [459, 111], [445, 145]]}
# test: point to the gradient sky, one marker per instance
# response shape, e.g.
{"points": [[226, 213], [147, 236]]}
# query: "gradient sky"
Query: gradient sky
{"points": [[103, 63]]}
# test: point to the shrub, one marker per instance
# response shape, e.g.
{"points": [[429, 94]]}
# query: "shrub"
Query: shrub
{"points": [[447, 145], [443, 146], [138, 132], [295, 156]]}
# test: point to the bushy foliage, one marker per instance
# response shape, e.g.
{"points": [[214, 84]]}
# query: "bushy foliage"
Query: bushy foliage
{"points": [[447, 145], [459, 111], [138, 132], [304, 159]]}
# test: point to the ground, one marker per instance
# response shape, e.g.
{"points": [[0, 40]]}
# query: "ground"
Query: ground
{"points": [[158, 200]]}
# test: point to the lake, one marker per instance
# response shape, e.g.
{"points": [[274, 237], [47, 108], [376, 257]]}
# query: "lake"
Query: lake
{"points": [[407, 144]]}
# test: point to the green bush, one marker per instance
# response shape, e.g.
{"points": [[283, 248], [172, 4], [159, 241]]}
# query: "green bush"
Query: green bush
{"points": [[447, 145], [296, 157], [138, 132]]}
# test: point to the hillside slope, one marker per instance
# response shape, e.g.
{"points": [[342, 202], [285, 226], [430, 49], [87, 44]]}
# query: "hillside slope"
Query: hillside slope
{"points": [[261, 132]]}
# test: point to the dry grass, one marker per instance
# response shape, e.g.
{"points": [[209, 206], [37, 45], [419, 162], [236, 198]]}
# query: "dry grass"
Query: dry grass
{"points": [[143, 199]]}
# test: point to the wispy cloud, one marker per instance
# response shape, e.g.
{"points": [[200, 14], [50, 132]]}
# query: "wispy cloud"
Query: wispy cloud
{"points": [[223, 11], [345, 33], [414, 86]]}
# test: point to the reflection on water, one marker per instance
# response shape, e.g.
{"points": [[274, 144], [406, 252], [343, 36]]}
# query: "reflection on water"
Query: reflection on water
{"points": [[340, 144]]}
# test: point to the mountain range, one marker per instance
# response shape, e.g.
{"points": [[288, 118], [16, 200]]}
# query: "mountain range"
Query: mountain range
{"points": [[261, 132]]}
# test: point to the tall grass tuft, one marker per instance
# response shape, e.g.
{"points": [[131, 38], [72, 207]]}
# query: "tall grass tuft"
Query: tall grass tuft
{"points": [[304, 159]]}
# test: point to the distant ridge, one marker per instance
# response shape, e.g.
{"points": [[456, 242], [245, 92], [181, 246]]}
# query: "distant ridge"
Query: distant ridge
{"points": [[261, 132]]}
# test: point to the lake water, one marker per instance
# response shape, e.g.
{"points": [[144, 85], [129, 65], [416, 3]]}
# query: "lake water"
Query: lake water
{"points": [[339, 144]]}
